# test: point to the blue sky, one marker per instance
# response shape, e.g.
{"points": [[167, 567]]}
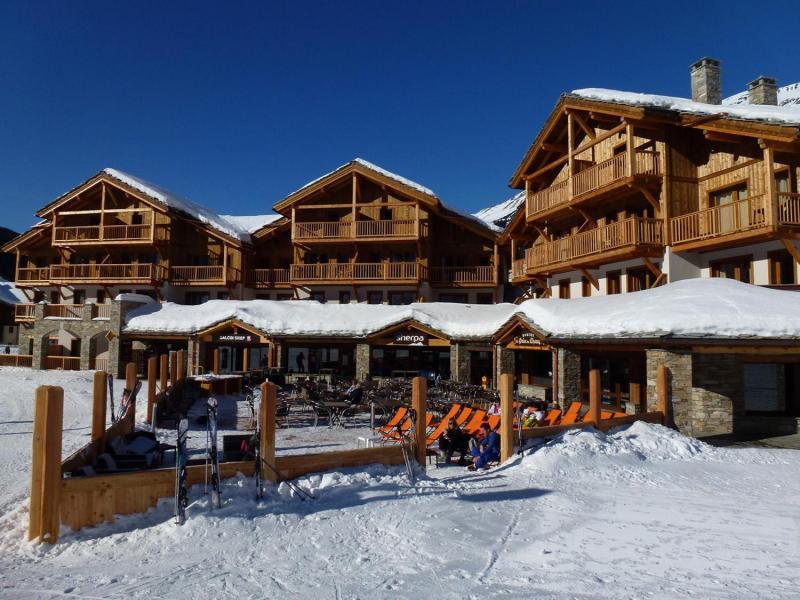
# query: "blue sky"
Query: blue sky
{"points": [[237, 104]]}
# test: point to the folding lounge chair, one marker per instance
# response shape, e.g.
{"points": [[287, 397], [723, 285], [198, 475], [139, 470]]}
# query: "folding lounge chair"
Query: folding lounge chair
{"points": [[478, 417], [552, 416], [396, 419], [462, 417], [441, 427], [571, 416]]}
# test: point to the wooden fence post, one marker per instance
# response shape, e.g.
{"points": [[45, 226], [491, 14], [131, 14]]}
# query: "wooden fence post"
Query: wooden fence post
{"points": [[130, 383], [45, 508], [99, 404], [246, 359], [173, 368], [595, 394], [662, 393], [269, 394], [506, 416], [152, 370], [215, 368], [419, 403], [635, 395], [164, 372], [181, 370]]}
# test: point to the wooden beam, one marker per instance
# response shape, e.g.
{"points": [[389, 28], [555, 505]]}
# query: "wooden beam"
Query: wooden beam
{"points": [[651, 199], [583, 125], [789, 147], [419, 403], [45, 499], [595, 395], [554, 147], [629, 148], [791, 249], [592, 279], [662, 393], [542, 232], [651, 267], [570, 156], [658, 280], [99, 404], [546, 168], [600, 138], [771, 188], [506, 416], [152, 375], [164, 372]]}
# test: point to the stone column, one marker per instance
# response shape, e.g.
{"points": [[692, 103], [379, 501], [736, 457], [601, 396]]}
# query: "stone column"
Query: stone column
{"points": [[87, 343], [717, 393], [40, 343], [679, 385], [362, 361], [459, 363], [505, 362], [194, 350], [569, 378]]}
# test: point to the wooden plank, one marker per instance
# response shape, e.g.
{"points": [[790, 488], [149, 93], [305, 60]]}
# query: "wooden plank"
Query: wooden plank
{"points": [[173, 367], [419, 403], [771, 188], [269, 394], [37, 460], [181, 366], [163, 372], [595, 395], [45, 515], [152, 374], [662, 392], [506, 416], [791, 249], [99, 404]]}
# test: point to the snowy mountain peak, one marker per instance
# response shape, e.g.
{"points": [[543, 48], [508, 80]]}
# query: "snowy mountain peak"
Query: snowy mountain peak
{"points": [[499, 215], [788, 95]]}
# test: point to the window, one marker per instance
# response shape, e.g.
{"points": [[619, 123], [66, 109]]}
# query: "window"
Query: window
{"points": [[318, 296], [485, 298], [398, 298], [782, 268], [456, 298], [375, 297], [263, 297], [639, 279], [78, 297], [55, 298], [563, 289], [733, 208], [733, 268], [223, 295], [344, 297], [101, 297], [194, 298], [284, 297], [586, 287], [137, 219]]}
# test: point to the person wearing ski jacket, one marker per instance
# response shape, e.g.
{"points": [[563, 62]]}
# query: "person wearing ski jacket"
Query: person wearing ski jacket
{"points": [[487, 450]]}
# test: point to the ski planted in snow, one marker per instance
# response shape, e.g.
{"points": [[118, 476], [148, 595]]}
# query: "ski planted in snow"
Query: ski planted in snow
{"points": [[211, 407], [256, 442], [111, 396], [181, 458], [128, 398]]}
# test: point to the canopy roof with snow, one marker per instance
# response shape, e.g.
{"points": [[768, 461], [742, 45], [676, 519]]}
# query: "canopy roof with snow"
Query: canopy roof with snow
{"points": [[692, 309], [10, 293]]}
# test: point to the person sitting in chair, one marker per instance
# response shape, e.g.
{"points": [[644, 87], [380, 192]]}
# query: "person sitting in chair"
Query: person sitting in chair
{"points": [[487, 450], [454, 440], [354, 394]]}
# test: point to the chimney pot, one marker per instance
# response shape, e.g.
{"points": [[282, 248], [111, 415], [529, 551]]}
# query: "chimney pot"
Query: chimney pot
{"points": [[706, 86], [763, 90]]}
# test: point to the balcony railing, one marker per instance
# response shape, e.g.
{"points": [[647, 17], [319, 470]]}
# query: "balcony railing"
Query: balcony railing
{"points": [[788, 209], [475, 275], [106, 272], [519, 268], [592, 179], [16, 360], [267, 278], [350, 230], [65, 363], [24, 313], [63, 311], [33, 275], [400, 271], [101, 311], [719, 220], [631, 233], [204, 275], [100, 364]]}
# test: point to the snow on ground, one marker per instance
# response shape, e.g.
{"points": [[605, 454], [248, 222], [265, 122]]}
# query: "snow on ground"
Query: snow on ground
{"points": [[639, 513]]}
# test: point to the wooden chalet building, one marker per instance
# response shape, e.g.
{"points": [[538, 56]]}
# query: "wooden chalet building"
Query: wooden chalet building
{"points": [[629, 191]]}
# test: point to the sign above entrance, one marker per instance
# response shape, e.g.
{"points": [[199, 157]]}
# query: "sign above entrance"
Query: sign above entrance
{"points": [[526, 338], [238, 338], [410, 337]]}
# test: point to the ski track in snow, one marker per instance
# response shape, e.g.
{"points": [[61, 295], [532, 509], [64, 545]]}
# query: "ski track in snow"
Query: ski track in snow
{"points": [[642, 513]]}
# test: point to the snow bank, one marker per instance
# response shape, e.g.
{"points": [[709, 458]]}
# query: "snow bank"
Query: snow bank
{"points": [[782, 115], [251, 223], [10, 293], [133, 297]]}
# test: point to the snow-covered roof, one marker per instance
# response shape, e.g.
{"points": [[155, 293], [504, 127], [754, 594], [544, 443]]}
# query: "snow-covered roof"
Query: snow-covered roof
{"points": [[780, 115], [251, 223], [10, 293], [696, 308], [498, 216], [184, 205], [788, 95]]}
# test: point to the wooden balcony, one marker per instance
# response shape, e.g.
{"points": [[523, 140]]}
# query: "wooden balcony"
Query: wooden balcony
{"points": [[101, 311], [108, 234], [475, 276], [348, 273], [33, 276], [597, 179], [735, 222], [267, 278], [617, 241], [105, 273], [519, 270], [63, 311], [16, 360], [204, 275], [64, 363], [24, 313], [348, 231]]}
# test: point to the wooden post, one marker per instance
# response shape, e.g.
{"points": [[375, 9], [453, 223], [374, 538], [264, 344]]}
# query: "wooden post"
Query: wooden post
{"points": [[130, 383], [45, 507], [173, 368], [570, 157], [269, 394], [635, 394], [246, 359], [99, 399], [419, 403], [629, 149], [164, 372], [771, 189], [215, 368], [506, 416], [152, 370], [595, 393], [662, 392], [181, 367]]}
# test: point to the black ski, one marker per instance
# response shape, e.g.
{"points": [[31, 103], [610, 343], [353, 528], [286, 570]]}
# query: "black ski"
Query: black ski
{"points": [[111, 396], [181, 457], [216, 501], [128, 398], [256, 443]]}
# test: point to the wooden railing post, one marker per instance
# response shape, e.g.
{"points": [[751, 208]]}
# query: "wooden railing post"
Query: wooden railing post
{"points": [[215, 367], [173, 368], [269, 394], [130, 383], [506, 416], [595, 393], [181, 368], [45, 506], [662, 392], [152, 374], [419, 403], [99, 404], [164, 372]]}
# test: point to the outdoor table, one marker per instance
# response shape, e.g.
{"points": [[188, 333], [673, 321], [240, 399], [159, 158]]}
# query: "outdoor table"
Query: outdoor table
{"points": [[336, 409]]}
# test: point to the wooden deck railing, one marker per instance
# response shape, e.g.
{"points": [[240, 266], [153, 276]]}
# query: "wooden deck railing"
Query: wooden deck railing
{"points": [[267, 278], [24, 312], [65, 363], [788, 209], [719, 220], [634, 231], [141, 272], [63, 311], [108, 233], [100, 364], [593, 178], [184, 275], [519, 268], [16, 360], [101, 311], [349, 230], [357, 271], [33, 275], [463, 275]]}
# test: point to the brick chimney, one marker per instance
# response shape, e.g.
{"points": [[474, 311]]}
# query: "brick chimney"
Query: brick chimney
{"points": [[763, 90], [706, 81]]}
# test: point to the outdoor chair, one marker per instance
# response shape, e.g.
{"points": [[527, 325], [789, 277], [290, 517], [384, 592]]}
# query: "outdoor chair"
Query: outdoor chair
{"points": [[571, 416]]}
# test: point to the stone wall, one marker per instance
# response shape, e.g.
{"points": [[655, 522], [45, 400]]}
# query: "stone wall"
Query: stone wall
{"points": [[679, 385], [362, 361], [504, 363], [717, 393], [569, 377], [460, 363]]}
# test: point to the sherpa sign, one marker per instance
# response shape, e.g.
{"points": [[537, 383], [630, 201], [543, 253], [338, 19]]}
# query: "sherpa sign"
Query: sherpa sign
{"points": [[410, 337], [241, 338]]}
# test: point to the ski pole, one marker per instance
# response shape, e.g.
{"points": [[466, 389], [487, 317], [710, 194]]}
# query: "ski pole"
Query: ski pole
{"points": [[290, 483]]}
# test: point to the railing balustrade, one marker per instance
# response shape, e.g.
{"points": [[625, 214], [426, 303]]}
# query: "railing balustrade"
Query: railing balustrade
{"points": [[16, 360], [788, 208], [267, 278], [347, 230], [719, 220], [480, 274], [356, 271], [33, 275], [209, 273], [143, 272], [101, 311], [63, 311], [65, 363], [24, 312]]}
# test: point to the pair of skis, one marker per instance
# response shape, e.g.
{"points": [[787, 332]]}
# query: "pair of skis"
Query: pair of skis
{"points": [[211, 450], [128, 398]]}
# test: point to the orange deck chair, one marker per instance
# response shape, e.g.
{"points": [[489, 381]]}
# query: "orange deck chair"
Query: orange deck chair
{"points": [[407, 424], [441, 427], [398, 416], [462, 417], [552, 416], [478, 417], [571, 416], [494, 422]]}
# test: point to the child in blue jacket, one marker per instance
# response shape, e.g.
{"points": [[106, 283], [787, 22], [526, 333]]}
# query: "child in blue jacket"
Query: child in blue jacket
{"points": [[487, 450]]}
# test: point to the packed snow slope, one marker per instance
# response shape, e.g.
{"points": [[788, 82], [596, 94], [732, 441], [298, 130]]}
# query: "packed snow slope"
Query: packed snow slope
{"points": [[691, 308], [642, 512]]}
